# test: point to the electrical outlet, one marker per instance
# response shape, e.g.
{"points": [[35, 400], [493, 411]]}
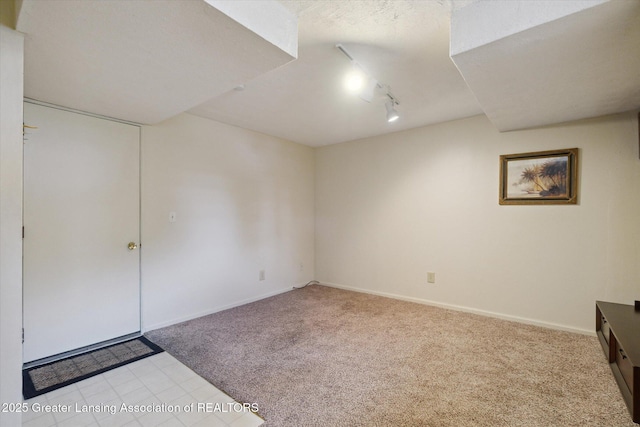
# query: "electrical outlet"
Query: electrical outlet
{"points": [[431, 277], [261, 275]]}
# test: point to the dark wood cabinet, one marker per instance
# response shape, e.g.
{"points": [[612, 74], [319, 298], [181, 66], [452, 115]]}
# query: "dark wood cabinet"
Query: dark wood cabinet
{"points": [[618, 328]]}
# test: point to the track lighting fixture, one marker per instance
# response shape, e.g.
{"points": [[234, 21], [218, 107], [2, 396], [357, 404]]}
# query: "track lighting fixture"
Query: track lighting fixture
{"points": [[361, 82]]}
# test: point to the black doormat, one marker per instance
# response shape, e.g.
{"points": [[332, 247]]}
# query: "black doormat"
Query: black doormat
{"points": [[45, 378]]}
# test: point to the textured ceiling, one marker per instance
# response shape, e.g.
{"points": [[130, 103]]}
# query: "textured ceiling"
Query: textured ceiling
{"points": [[145, 61], [403, 44]]}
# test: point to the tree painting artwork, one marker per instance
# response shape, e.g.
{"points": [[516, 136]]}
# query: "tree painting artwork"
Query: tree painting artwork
{"points": [[538, 178], [545, 177]]}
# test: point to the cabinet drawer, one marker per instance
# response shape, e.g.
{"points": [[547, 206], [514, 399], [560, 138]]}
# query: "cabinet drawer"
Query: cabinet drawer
{"points": [[624, 364], [604, 328]]}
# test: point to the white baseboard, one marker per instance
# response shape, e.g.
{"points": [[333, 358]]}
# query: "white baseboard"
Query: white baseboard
{"points": [[214, 310], [466, 309]]}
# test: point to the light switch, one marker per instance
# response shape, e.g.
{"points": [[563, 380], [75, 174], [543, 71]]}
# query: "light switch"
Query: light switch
{"points": [[172, 217]]}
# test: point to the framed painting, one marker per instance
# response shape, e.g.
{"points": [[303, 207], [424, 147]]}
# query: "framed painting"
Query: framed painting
{"points": [[540, 178]]}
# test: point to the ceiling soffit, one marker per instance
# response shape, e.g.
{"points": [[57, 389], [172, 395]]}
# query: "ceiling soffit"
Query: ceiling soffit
{"points": [[146, 61], [559, 61]]}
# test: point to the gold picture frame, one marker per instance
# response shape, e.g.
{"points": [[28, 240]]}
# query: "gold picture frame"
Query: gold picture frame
{"points": [[539, 178]]}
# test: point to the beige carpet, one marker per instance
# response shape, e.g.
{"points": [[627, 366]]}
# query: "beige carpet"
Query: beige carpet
{"points": [[326, 357]]}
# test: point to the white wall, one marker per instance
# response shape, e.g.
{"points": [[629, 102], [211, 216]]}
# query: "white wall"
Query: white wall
{"points": [[391, 208], [11, 78], [244, 203]]}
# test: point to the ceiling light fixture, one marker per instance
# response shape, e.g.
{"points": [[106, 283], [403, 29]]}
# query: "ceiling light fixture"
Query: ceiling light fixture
{"points": [[361, 82]]}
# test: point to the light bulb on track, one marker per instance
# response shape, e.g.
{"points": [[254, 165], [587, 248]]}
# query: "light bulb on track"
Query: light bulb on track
{"points": [[392, 114]]}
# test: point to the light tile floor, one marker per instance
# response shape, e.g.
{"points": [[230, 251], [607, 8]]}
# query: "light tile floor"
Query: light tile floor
{"points": [[163, 391]]}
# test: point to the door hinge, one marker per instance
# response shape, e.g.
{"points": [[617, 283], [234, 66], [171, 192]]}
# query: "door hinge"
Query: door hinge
{"points": [[23, 232], [22, 335]]}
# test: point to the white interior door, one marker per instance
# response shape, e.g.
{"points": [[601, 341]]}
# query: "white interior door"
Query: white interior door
{"points": [[81, 209]]}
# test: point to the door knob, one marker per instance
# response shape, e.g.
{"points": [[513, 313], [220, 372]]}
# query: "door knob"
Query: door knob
{"points": [[132, 246]]}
